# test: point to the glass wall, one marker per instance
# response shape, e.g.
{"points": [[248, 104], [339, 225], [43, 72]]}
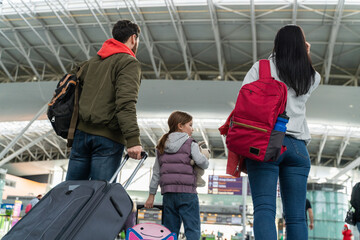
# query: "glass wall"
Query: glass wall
{"points": [[329, 206]]}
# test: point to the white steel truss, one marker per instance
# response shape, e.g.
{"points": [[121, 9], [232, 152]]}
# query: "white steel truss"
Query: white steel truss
{"points": [[100, 14]]}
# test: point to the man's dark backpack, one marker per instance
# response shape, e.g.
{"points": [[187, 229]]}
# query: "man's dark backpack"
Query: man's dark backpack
{"points": [[64, 107]]}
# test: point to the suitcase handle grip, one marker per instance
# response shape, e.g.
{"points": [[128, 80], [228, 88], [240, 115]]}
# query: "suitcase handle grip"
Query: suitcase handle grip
{"points": [[144, 155]]}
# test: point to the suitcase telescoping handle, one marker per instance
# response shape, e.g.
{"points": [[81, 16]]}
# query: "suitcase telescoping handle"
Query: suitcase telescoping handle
{"points": [[144, 155]]}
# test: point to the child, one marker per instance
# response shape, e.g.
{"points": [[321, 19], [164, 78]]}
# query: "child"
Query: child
{"points": [[347, 233], [177, 178]]}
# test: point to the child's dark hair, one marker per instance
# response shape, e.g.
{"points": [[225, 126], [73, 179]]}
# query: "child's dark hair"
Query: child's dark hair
{"points": [[124, 29], [173, 122]]}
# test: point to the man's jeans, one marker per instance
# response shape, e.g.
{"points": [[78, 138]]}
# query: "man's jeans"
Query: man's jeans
{"points": [[292, 168], [182, 207], [93, 157]]}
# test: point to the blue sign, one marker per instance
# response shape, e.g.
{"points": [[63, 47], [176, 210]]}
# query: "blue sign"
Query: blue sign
{"points": [[7, 205]]}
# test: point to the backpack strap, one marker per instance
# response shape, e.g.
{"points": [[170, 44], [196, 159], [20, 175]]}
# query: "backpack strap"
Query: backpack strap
{"points": [[264, 69], [75, 114], [74, 117]]}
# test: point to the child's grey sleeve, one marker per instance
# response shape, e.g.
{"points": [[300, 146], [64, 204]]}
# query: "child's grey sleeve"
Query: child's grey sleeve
{"points": [[198, 157], [154, 183]]}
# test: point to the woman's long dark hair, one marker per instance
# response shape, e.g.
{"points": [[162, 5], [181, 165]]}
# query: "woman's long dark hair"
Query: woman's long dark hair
{"points": [[173, 122], [293, 63]]}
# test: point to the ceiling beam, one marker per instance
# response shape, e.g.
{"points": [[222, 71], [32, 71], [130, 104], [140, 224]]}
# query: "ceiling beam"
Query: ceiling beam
{"points": [[21, 49], [294, 12], [353, 164], [81, 45], [333, 36], [272, 10], [97, 19], [342, 147], [50, 47], [145, 35], [104, 15], [34, 142], [253, 30], [13, 142], [215, 27], [180, 33], [5, 69], [321, 147]]}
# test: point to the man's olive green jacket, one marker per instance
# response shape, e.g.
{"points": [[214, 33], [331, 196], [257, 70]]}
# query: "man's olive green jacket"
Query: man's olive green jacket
{"points": [[110, 84]]}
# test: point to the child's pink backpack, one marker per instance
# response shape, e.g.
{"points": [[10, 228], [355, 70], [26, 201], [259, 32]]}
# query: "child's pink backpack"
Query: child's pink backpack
{"points": [[149, 231]]}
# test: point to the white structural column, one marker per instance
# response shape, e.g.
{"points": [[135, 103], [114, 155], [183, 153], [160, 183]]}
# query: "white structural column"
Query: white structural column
{"points": [[253, 30], [215, 26], [294, 13], [145, 35], [333, 36], [244, 195], [225, 146], [176, 21]]}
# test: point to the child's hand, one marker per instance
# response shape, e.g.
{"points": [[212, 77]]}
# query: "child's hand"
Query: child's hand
{"points": [[150, 201]]}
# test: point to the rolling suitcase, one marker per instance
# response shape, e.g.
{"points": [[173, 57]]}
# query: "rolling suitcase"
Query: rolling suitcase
{"points": [[78, 210]]}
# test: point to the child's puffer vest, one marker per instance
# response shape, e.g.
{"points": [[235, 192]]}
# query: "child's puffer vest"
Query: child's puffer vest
{"points": [[176, 173]]}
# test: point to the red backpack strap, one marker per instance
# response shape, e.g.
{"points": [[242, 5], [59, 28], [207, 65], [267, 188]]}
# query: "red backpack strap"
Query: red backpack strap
{"points": [[264, 69]]}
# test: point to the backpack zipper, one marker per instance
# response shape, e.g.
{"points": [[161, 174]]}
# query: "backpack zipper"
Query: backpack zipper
{"points": [[250, 126]]}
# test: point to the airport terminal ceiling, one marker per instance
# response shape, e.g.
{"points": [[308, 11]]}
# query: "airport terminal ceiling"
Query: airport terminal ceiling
{"points": [[40, 40], [212, 41]]}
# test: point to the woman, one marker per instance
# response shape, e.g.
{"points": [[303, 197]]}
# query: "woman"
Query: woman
{"points": [[290, 63]]}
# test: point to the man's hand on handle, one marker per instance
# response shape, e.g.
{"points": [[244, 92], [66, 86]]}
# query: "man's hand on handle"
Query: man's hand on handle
{"points": [[135, 152]]}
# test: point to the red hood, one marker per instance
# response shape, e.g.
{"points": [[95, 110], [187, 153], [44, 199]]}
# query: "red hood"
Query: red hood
{"points": [[112, 46]]}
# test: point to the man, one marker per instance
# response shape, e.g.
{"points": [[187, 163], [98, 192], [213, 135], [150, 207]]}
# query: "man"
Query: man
{"points": [[107, 114], [32, 203], [309, 210]]}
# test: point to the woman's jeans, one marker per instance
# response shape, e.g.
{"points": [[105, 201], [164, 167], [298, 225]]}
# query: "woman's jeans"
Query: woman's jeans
{"points": [[93, 157], [292, 168], [182, 207]]}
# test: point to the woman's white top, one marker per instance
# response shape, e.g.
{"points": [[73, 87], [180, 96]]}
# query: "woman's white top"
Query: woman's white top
{"points": [[295, 107]]}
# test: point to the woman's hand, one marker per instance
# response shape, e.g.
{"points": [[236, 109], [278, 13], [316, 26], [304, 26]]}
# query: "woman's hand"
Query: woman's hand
{"points": [[150, 201]]}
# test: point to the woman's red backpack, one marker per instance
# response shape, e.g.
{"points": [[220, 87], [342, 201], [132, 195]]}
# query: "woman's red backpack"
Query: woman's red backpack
{"points": [[250, 127]]}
